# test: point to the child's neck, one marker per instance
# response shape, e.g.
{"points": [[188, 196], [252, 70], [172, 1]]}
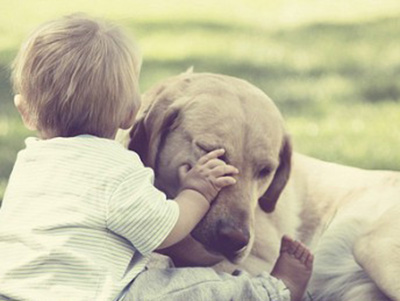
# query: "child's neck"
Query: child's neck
{"points": [[45, 135]]}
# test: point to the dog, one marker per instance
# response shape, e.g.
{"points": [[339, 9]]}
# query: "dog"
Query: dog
{"points": [[348, 216]]}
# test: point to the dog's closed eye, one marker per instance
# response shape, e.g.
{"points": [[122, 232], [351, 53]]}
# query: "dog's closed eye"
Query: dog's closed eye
{"points": [[264, 171]]}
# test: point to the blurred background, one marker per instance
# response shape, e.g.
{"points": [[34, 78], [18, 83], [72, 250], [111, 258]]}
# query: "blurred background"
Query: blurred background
{"points": [[332, 67]]}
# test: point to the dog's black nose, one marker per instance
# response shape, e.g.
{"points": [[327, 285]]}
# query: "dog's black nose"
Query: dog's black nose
{"points": [[232, 239]]}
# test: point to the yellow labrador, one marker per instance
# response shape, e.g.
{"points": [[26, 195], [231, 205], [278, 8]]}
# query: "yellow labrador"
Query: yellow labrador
{"points": [[350, 217]]}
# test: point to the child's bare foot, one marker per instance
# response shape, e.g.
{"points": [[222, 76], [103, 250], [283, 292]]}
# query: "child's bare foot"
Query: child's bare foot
{"points": [[294, 267]]}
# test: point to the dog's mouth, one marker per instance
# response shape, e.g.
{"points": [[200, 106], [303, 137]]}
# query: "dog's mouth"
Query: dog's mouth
{"points": [[237, 256], [233, 256]]}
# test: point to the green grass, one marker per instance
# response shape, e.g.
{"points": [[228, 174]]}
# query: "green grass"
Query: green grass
{"points": [[333, 68]]}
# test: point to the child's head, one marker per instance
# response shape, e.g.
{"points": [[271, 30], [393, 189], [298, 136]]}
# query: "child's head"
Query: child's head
{"points": [[77, 75]]}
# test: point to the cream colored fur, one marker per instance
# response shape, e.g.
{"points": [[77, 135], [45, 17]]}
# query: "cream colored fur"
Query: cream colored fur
{"points": [[342, 213]]}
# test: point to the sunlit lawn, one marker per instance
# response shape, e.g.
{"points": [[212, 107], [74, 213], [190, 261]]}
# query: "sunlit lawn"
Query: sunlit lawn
{"points": [[333, 68]]}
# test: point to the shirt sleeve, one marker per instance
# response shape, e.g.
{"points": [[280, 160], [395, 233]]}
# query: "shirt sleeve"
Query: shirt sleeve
{"points": [[140, 212]]}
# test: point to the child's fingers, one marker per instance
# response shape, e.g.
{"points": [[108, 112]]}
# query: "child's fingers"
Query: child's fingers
{"points": [[224, 181], [211, 155], [213, 163], [222, 170]]}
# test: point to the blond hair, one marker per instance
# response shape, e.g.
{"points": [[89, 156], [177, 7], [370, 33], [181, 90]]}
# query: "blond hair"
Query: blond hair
{"points": [[78, 76]]}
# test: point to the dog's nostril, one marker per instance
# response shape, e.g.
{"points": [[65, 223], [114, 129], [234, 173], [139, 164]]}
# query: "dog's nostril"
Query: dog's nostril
{"points": [[232, 239]]}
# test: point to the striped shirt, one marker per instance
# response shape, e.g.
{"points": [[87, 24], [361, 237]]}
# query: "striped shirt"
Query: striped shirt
{"points": [[79, 220]]}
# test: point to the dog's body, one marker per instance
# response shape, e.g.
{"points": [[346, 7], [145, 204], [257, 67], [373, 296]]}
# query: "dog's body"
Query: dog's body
{"points": [[349, 216]]}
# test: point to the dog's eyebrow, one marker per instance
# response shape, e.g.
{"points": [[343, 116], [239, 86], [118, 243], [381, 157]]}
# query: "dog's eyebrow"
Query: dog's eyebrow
{"points": [[208, 147]]}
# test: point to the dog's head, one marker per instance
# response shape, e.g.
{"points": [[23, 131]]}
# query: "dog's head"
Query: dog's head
{"points": [[191, 114]]}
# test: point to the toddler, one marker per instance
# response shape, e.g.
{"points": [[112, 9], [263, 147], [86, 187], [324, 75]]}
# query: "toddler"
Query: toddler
{"points": [[80, 215]]}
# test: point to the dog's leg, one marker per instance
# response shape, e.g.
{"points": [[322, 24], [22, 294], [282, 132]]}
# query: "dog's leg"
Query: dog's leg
{"points": [[378, 252]]}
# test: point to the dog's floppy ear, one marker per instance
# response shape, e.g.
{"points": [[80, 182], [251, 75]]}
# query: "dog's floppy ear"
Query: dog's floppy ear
{"points": [[169, 122], [160, 114], [268, 200], [138, 140], [149, 132]]}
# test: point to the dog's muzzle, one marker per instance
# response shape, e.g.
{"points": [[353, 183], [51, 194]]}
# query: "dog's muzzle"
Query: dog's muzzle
{"points": [[231, 240]]}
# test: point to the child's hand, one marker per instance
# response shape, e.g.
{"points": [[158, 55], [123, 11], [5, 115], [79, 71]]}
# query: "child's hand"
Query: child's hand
{"points": [[209, 175]]}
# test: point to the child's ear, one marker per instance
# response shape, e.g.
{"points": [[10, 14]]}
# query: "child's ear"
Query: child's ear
{"points": [[22, 108]]}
